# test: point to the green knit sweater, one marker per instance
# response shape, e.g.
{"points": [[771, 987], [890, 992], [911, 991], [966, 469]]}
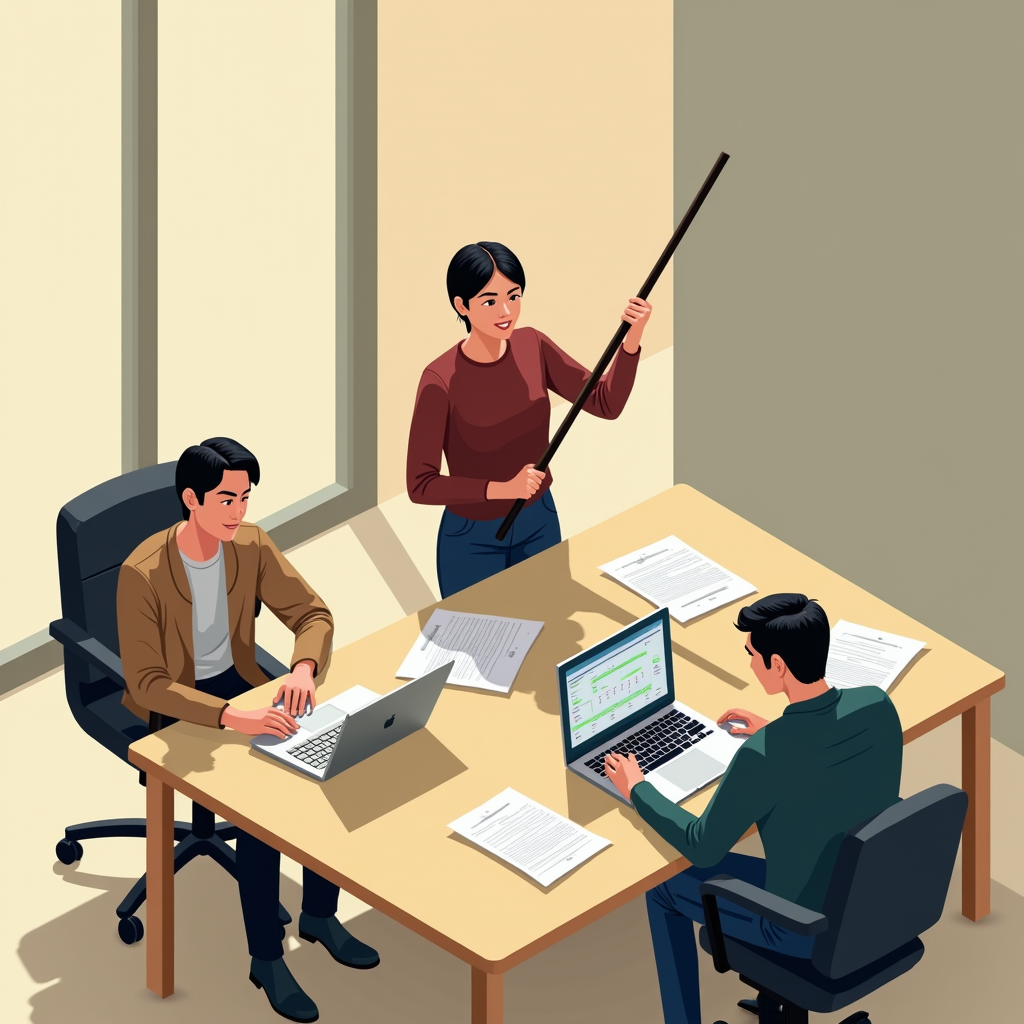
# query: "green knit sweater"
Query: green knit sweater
{"points": [[824, 767]]}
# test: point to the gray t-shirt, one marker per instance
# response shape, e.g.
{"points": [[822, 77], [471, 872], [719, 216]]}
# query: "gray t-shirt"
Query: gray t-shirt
{"points": [[211, 635]]}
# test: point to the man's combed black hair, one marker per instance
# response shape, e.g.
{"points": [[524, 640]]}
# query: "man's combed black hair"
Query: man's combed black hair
{"points": [[474, 265], [202, 467], [793, 627]]}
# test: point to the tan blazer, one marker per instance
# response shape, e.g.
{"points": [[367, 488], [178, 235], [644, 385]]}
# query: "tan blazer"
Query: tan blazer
{"points": [[154, 621]]}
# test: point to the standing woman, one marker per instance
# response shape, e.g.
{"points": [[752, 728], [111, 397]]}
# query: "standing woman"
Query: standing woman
{"points": [[484, 403]]}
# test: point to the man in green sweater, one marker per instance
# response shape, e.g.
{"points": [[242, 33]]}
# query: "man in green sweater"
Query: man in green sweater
{"points": [[830, 762]]}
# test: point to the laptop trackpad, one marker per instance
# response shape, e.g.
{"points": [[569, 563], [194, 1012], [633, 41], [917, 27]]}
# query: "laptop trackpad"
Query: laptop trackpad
{"points": [[691, 772], [323, 716]]}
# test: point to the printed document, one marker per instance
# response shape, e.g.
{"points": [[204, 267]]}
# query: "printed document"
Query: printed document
{"points": [[487, 649], [859, 656], [670, 574], [538, 842]]}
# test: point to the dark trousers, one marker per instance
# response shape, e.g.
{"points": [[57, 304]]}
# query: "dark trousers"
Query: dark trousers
{"points": [[675, 905], [468, 551], [258, 866]]}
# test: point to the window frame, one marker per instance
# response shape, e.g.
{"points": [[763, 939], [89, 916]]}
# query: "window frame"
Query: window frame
{"points": [[354, 488]]}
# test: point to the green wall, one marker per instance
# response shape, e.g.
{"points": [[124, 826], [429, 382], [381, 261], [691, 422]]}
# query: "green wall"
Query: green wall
{"points": [[850, 301]]}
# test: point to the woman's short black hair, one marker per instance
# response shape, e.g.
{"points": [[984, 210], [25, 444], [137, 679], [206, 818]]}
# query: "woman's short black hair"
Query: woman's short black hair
{"points": [[202, 467], [474, 265], [793, 627]]}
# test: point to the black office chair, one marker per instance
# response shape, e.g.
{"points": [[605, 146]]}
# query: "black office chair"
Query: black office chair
{"points": [[888, 886], [95, 533]]}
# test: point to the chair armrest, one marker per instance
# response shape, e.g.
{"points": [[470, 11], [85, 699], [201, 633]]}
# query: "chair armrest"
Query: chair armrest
{"points": [[270, 664], [782, 912], [75, 639]]}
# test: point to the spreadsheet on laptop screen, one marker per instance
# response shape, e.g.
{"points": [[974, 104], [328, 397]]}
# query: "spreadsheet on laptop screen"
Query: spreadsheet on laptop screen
{"points": [[616, 683]]}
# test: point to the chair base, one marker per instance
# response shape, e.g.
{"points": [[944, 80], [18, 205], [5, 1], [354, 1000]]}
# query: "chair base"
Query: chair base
{"points": [[794, 1015], [202, 838]]}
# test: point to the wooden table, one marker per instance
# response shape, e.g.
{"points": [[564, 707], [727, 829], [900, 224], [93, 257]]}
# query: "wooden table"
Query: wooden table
{"points": [[379, 829]]}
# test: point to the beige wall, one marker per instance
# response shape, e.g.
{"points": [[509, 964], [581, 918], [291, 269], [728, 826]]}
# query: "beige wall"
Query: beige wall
{"points": [[246, 251], [566, 158], [60, 286], [848, 351], [546, 126]]}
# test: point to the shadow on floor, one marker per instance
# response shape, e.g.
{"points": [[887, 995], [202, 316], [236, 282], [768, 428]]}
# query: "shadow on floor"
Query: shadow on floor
{"points": [[602, 975]]}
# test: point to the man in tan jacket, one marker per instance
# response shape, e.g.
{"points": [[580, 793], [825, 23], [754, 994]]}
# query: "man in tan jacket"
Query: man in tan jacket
{"points": [[186, 619]]}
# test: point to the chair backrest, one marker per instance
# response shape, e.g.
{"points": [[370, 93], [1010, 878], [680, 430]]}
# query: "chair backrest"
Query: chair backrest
{"points": [[95, 533], [890, 880]]}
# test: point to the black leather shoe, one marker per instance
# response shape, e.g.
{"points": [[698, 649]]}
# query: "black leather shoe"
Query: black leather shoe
{"points": [[340, 943], [283, 991]]}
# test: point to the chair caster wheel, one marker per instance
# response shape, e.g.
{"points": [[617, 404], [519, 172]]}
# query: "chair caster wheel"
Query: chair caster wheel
{"points": [[860, 1017], [130, 930], [69, 850]]}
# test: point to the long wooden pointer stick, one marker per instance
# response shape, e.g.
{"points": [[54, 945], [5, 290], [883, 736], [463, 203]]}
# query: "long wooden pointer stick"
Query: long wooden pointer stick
{"points": [[613, 345]]}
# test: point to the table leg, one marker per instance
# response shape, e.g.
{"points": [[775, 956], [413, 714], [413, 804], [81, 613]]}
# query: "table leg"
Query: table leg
{"points": [[977, 782], [159, 886], [488, 1005]]}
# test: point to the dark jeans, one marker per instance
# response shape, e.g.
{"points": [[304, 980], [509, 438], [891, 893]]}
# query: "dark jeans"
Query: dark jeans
{"points": [[673, 907], [258, 866], [468, 552]]}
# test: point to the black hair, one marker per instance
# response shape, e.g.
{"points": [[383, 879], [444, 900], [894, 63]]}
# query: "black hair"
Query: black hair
{"points": [[793, 627], [202, 467], [474, 265]]}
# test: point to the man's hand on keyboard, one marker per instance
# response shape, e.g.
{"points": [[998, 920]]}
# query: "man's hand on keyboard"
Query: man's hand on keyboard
{"points": [[624, 772], [297, 690], [265, 721]]}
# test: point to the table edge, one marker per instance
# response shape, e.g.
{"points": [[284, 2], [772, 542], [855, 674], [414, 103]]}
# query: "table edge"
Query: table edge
{"points": [[441, 940]]}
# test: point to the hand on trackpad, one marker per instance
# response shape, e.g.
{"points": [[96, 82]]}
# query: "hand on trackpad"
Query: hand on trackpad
{"points": [[691, 772], [320, 717]]}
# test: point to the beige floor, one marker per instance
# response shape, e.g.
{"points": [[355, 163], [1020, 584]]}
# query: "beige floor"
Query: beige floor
{"points": [[60, 957]]}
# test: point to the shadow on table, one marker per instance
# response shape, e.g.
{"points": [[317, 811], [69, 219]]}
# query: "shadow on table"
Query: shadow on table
{"points": [[182, 760], [706, 666], [587, 802], [391, 778], [540, 588], [915, 660]]}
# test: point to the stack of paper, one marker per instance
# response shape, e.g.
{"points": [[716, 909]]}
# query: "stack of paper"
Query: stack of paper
{"points": [[670, 574], [487, 649], [859, 656], [538, 842]]}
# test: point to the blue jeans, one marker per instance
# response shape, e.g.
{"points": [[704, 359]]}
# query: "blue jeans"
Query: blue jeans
{"points": [[675, 905], [258, 866], [468, 552]]}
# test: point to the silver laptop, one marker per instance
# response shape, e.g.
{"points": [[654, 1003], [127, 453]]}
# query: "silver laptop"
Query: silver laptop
{"points": [[620, 696], [353, 725]]}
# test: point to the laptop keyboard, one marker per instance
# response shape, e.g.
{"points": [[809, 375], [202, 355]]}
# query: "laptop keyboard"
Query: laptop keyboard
{"points": [[316, 751], [657, 742]]}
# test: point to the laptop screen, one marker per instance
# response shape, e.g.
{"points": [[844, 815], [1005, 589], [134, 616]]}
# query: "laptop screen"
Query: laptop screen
{"points": [[617, 682]]}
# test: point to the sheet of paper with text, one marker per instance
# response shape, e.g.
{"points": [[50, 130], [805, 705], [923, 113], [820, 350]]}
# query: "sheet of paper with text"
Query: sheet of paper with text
{"points": [[488, 650], [860, 656], [525, 834], [671, 574]]}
